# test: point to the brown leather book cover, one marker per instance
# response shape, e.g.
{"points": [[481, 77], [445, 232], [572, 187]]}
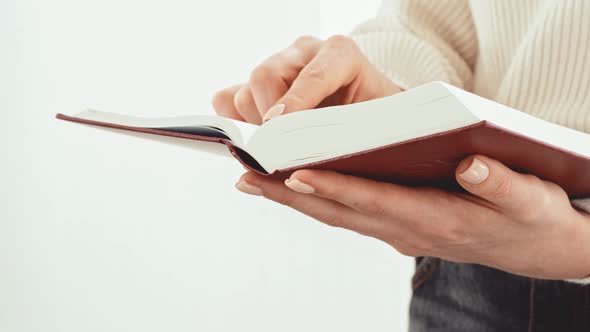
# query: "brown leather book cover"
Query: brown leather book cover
{"points": [[430, 160]]}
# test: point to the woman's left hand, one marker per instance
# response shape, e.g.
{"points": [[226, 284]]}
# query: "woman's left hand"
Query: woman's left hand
{"points": [[507, 220]]}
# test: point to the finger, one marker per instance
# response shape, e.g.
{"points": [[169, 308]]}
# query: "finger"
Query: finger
{"points": [[223, 103], [270, 80], [244, 104], [325, 211], [514, 193], [403, 238], [366, 196], [336, 65], [267, 84], [411, 218]]}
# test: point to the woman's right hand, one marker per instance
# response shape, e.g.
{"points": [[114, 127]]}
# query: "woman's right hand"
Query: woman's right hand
{"points": [[309, 73]]}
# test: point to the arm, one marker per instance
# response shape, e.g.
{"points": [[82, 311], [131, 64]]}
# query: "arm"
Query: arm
{"points": [[417, 41]]}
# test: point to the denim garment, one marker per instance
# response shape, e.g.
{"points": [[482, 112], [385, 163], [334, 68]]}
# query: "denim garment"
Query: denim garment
{"points": [[467, 297]]}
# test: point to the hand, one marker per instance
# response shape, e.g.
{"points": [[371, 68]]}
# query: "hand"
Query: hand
{"points": [[507, 220], [309, 73]]}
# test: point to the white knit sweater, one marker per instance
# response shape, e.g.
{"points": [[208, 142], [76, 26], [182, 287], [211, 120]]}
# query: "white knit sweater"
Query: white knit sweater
{"points": [[531, 55]]}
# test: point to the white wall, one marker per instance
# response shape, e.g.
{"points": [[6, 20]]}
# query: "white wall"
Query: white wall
{"points": [[100, 232]]}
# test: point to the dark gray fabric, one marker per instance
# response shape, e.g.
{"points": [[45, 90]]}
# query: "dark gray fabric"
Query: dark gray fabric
{"points": [[467, 297]]}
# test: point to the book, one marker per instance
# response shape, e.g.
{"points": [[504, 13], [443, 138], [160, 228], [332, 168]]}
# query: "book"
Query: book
{"points": [[416, 137]]}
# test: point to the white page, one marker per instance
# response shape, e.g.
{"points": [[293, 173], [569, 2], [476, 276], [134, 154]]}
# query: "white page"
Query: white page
{"points": [[300, 138], [310, 136], [247, 130], [239, 132], [524, 123]]}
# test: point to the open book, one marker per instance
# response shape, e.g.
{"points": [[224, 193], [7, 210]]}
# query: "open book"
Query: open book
{"points": [[416, 137]]}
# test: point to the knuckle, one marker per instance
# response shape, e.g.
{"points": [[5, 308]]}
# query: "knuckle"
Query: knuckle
{"points": [[283, 200], [539, 208], [450, 232], [343, 46], [262, 73], [242, 98], [334, 220], [314, 72], [502, 188], [545, 192], [443, 231], [541, 202], [553, 189], [294, 99], [305, 40], [545, 201], [222, 98], [339, 41], [534, 181], [374, 207]]}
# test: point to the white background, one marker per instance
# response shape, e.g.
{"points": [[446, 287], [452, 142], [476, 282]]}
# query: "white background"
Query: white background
{"points": [[101, 232]]}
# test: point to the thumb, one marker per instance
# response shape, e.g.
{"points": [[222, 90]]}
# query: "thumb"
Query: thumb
{"points": [[514, 193]]}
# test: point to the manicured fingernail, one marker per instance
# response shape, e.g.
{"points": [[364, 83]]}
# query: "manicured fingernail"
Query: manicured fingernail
{"points": [[299, 186], [248, 188], [477, 173], [273, 112]]}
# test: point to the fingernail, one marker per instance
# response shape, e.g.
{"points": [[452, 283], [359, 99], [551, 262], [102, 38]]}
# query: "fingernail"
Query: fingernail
{"points": [[248, 188], [273, 112], [477, 173], [299, 186]]}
